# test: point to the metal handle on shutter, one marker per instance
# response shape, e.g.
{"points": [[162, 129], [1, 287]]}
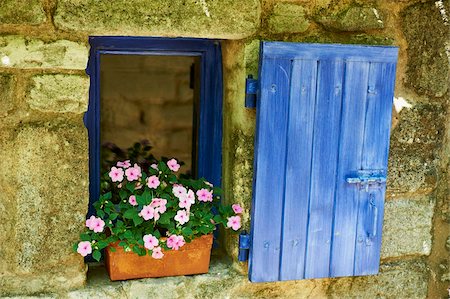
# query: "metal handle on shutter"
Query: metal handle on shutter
{"points": [[368, 178], [373, 205]]}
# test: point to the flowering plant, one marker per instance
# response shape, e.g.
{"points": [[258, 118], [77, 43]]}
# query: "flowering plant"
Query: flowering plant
{"points": [[151, 210]]}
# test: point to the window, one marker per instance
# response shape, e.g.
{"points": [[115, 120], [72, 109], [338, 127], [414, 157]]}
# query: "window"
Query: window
{"points": [[206, 147], [322, 140]]}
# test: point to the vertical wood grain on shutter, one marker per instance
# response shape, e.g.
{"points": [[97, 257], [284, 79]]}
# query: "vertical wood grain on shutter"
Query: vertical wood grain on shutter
{"points": [[323, 167], [375, 156], [270, 170], [301, 120]]}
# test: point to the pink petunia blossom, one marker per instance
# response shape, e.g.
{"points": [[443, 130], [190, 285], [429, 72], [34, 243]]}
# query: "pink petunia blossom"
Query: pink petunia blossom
{"points": [[99, 225], [157, 253], [190, 196], [154, 166], [133, 173], [147, 212], [234, 222], [90, 223], [184, 203], [124, 164], [132, 200], [204, 195], [179, 191], [84, 248], [96, 224], [153, 182], [182, 217], [237, 208], [175, 242], [116, 174], [150, 241], [173, 165]]}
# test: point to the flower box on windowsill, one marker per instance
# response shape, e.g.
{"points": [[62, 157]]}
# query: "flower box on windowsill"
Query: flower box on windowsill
{"points": [[192, 258]]}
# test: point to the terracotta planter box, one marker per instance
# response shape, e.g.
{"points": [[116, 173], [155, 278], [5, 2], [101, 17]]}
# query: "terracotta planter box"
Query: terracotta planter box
{"points": [[192, 258]]}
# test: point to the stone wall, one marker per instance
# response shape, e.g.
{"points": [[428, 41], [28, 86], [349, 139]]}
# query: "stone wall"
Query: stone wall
{"points": [[43, 143]]}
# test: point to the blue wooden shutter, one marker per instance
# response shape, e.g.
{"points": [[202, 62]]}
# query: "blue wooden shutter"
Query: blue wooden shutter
{"points": [[321, 150]]}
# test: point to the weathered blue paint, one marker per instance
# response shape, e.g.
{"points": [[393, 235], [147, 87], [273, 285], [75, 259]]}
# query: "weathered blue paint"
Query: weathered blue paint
{"points": [[323, 116], [209, 142]]}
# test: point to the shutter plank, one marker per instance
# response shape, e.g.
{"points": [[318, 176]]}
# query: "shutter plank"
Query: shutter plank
{"points": [[346, 203], [299, 154], [323, 169], [270, 167], [375, 155]]}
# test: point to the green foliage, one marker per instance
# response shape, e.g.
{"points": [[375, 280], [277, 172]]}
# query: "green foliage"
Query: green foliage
{"points": [[156, 209]]}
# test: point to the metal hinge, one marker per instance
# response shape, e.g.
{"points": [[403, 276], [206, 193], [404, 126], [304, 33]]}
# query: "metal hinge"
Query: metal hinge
{"points": [[244, 246], [251, 89], [373, 178]]}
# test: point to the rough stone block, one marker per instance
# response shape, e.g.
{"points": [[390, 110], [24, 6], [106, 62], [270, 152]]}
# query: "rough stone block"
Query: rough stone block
{"points": [[288, 18], [413, 150], [353, 18], [45, 196], [21, 12], [219, 19], [407, 227], [24, 52], [428, 69], [59, 93], [406, 279], [6, 94]]}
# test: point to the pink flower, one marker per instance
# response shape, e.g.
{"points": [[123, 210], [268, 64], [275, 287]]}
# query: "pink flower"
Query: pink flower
{"points": [[190, 196], [184, 203], [124, 164], [175, 242], [99, 225], [153, 182], [147, 212], [116, 174], [150, 241], [173, 165], [95, 224], [90, 223], [154, 166], [133, 173], [179, 191], [204, 195], [157, 253], [237, 208], [84, 248], [132, 200], [182, 217], [234, 222]]}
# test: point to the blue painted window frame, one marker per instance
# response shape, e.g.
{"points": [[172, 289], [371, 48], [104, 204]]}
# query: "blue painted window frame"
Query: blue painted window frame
{"points": [[209, 148]]}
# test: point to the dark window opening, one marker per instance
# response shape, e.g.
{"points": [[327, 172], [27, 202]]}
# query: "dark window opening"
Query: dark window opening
{"points": [[154, 98]]}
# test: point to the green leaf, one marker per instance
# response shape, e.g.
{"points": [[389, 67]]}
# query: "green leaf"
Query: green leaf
{"points": [[100, 213], [131, 186], [107, 196], [130, 213], [96, 255], [164, 219], [128, 235], [187, 231], [112, 249], [85, 237], [123, 194], [137, 220], [102, 244], [113, 216], [75, 247]]}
